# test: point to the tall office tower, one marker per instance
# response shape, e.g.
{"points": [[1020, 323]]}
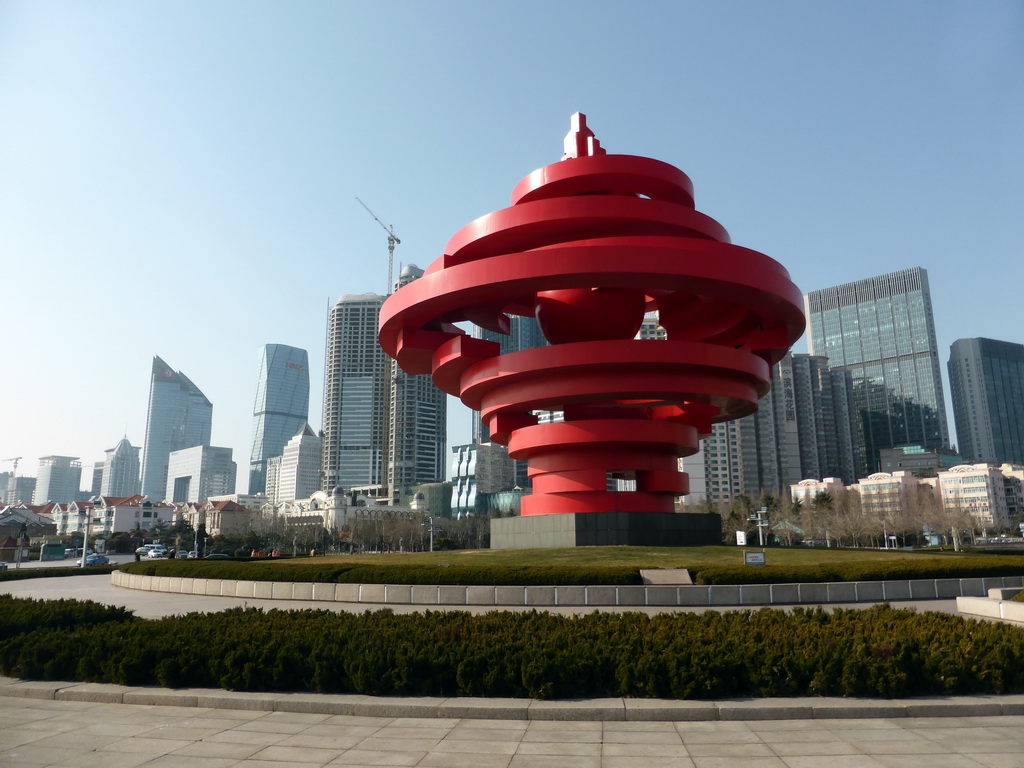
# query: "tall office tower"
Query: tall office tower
{"points": [[987, 379], [881, 329], [356, 395], [281, 409], [179, 417], [97, 479], [57, 480], [197, 473], [417, 424], [815, 419], [5, 482], [299, 471], [121, 471]]}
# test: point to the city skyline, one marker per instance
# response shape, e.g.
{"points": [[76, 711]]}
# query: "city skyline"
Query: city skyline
{"points": [[155, 148]]}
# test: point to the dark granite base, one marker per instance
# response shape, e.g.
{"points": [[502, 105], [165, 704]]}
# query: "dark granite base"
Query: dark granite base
{"points": [[638, 529]]}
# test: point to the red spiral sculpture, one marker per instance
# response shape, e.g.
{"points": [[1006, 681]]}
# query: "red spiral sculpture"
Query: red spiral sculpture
{"points": [[588, 246]]}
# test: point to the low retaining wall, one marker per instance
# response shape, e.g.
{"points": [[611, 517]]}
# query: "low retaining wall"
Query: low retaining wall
{"points": [[995, 606], [648, 595]]}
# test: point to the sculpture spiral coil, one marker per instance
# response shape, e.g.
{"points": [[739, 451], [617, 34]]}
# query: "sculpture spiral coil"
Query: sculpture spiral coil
{"points": [[588, 246]]}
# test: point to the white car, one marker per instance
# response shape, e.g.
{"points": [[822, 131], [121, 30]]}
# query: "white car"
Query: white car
{"points": [[157, 552]]}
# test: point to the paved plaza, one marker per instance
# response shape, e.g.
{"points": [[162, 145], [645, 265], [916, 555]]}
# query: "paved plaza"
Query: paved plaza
{"points": [[55, 725], [65, 734]]}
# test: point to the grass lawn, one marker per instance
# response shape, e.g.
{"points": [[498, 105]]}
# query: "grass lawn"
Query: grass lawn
{"points": [[637, 557]]}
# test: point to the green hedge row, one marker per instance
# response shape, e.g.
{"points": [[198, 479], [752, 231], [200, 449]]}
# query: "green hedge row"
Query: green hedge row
{"points": [[19, 615], [878, 652], [952, 568], [363, 573], [49, 573]]}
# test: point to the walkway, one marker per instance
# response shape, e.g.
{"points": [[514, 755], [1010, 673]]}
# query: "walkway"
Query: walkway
{"points": [[66, 734], [153, 605], [44, 727]]}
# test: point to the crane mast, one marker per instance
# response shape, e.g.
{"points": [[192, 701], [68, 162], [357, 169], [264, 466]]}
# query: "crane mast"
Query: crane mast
{"points": [[392, 242]]}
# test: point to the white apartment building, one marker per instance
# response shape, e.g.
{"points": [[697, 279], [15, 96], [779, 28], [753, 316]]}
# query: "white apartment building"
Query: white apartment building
{"points": [[978, 489]]}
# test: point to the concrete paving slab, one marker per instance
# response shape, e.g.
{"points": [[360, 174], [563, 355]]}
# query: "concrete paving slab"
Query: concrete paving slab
{"points": [[385, 706], [764, 709], [160, 696], [584, 709], [646, 710], [95, 692], [331, 704], [33, 689], [496, 709]]}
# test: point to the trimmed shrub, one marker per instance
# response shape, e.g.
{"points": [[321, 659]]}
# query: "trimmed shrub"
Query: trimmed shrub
{"points": [[364, 573], [49, 573], [959, 568], [878, 652]]}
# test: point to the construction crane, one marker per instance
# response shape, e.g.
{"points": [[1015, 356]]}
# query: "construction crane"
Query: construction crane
{"points": [[392, 241]]}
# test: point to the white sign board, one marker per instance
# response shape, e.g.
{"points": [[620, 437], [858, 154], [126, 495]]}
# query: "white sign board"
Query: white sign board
{"points": [[753, 558], [741, 538]]}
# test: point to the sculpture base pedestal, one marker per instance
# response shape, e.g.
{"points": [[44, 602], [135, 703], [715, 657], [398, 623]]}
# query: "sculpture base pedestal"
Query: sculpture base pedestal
{"points": [[598, 529]]}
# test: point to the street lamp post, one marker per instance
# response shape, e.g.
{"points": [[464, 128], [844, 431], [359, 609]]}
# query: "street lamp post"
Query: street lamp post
{"points": [[761, 523], [429, 524]]}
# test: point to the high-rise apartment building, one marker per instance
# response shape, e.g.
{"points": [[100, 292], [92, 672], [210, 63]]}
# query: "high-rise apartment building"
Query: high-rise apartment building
{"points": [[881, 329], [987, 381], [21, 489], [180, 416], [739, 458], [197, 473], [417, 425], [816, 420], [298, 474], [57, 480], [356, 396], [281, 408], [121, 471]]}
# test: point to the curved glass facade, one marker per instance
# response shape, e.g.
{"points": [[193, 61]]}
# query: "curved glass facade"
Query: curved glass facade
{"points": [[281, 408], [179, 417]]}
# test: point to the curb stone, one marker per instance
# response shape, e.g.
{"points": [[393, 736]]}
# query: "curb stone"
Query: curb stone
{"points": [[520, 709]]}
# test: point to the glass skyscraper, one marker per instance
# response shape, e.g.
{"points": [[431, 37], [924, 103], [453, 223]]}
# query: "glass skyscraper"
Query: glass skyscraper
{"points": [[881, 329], [180, 416], [281, 408], [987, 379]]}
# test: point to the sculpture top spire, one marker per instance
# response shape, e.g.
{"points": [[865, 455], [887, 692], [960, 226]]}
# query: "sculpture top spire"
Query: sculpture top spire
{"points": [[580, 141]]}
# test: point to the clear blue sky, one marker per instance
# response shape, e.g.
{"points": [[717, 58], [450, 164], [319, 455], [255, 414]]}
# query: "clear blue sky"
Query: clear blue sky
{"points": [[179, 178]]}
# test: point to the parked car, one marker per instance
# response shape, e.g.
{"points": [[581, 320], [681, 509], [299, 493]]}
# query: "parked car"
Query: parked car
{"points": [[217, 556], [94, 560], [156, 552], [144, 549]]}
